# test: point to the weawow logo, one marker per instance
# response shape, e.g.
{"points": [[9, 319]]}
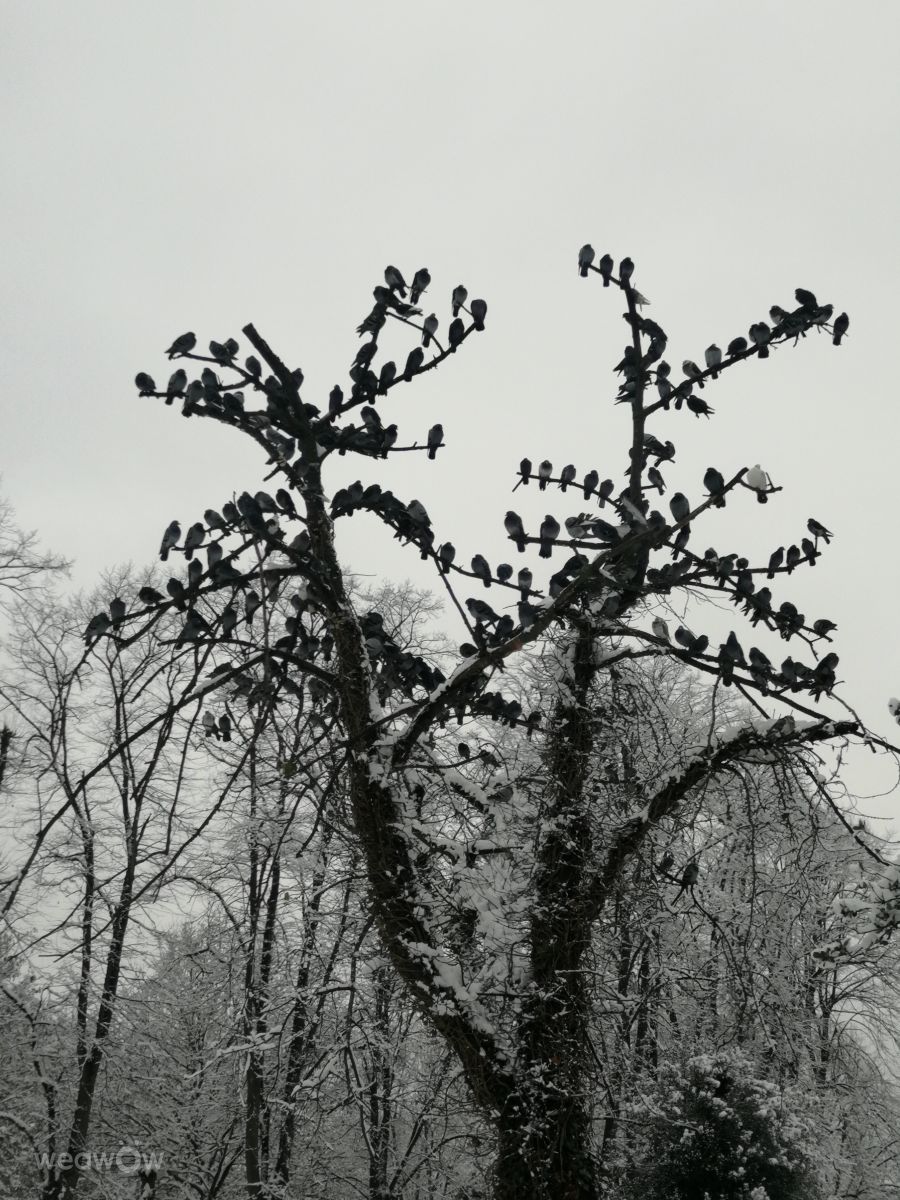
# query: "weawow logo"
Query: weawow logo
{"points": [[128, 1160]]}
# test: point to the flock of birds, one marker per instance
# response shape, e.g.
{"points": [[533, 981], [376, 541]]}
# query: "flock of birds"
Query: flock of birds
{"points": [[286, 425]]}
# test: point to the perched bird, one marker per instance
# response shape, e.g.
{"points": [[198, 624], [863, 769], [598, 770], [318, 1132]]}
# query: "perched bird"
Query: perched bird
{"points": [[525, 470], [144, 383], [429, 329], [660, 629], [414, 361], [606, 265], [626, 270], [458, 299], [170, 540], [193, 539], [524, 579], [395, 281], [335, 400], [446, 554], [182, 345], [759, 335], [285, 501], [545, 470], [823, 627], [792, 558], [590, 483], [214, 555], [841, 325], [819, 531], [689, 877], [225, 727], [456, 333], [478, 309], [229, 620], [420, 282], [481, 569], [693, 372], [504, 572], [757, 479], [680, 507], [714, 483], [776, 558], [736, 346], [805, 299], [809, 551], [514, 528], [713, 359], [149, 596], [585, 258], [435, 440], [176, 385], [96, 627], [549, 532], [655, 479], [566, 476], [117, 611], [418, 512]]}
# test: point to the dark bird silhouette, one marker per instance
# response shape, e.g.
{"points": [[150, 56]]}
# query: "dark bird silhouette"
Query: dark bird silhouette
{"points": [[566, 476], [841, 325], [225, 727], [478, 309], [693, 372], [680, 507], [545, 470], [514, 528], [736, 346], [823, 627], [182, 345], [525, 470], [714, 483], [524, 579], [590, 483], [806, 299], [435, 438], [193, 539], [809, 551], [818, 530], [170, 540], [689, 877], [776, 558], [420, 282], [504, 572], [655, 479], [429, 329], [458, 299], [456, 333], [792, 558], [699, 407], [481, 569], [585, 258], [144, 383], [446, 554], [713, 359], [96, 627], [414, 361], [285, 501], [626, 270], [759, 335], [150, 596], [176, 385], [395, 281], [606, 265], [548, 533]]}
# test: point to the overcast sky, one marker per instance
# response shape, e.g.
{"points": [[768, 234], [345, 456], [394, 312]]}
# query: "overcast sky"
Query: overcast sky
{"points": [[194, 166]]}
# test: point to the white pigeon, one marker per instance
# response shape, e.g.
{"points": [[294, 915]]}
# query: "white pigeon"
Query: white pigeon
{"points": [[757, 479]]}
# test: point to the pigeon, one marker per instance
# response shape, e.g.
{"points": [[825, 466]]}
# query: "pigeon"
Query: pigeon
{"points": [[524, 579], [776, 558], [545, 470], [150, 596], [414, 361], [566, 476], [285, 501], [805, 299], [481, 569], [841, 325], [792, 558], [478, 309], [193, 538], [96, 627], [680, 507], [757, 479], [823, 627], [525, 470], [458, 299], [713, 359], [446, 554], [386, 377], [435, 439], [225, 727], [759, 335], [590, 483], [429, 328], [456, 333], [689, 877], [395, 281], [183, 345], [660, 629], [693, 372], [585, 258], [170, 540], [176, 385], [418, 513], [144, 383], [626, 270], [420, 282], [819, 531], [736, 346], [714, 483], [504, 572], [809, 551], [548, 533], [515, 530]]}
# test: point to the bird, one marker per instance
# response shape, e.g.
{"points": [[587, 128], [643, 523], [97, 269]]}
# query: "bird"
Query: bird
{"points": [[504, 572], [689, 877], [456, 333], [418, 512], [776, 558], [809, 551], [481, 569], [714, 483], [524, 471], [590, 483], [548, 533], [395, 281], [805, 299], [566, 476], [757, 479], [96, 627], [458, 299], [193, 538], [144, 383], [626, 270], [524, 580], [420, 282], [585, 258], [478, 309], [149, 595], [429, 328], [759, 335], [229, 620], [680, 507], [176, 385], [660, 629], [606, 265], [185, 344], [225, 727], [818, 530], [736, 346], [792, 558], [841, 325], [414, 361], [435, 439], [514, 528], [713, 359], [545, 470], [170, 540], [285, 501], [823, 627], [117, 611], [446, 554], [692, 371]]}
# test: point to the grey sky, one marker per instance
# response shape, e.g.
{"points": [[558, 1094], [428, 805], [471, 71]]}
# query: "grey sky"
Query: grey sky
{"points": [[193, 166]]}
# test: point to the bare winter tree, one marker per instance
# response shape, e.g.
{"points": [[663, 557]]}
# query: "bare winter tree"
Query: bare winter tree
{"points": [[486, 885]]}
